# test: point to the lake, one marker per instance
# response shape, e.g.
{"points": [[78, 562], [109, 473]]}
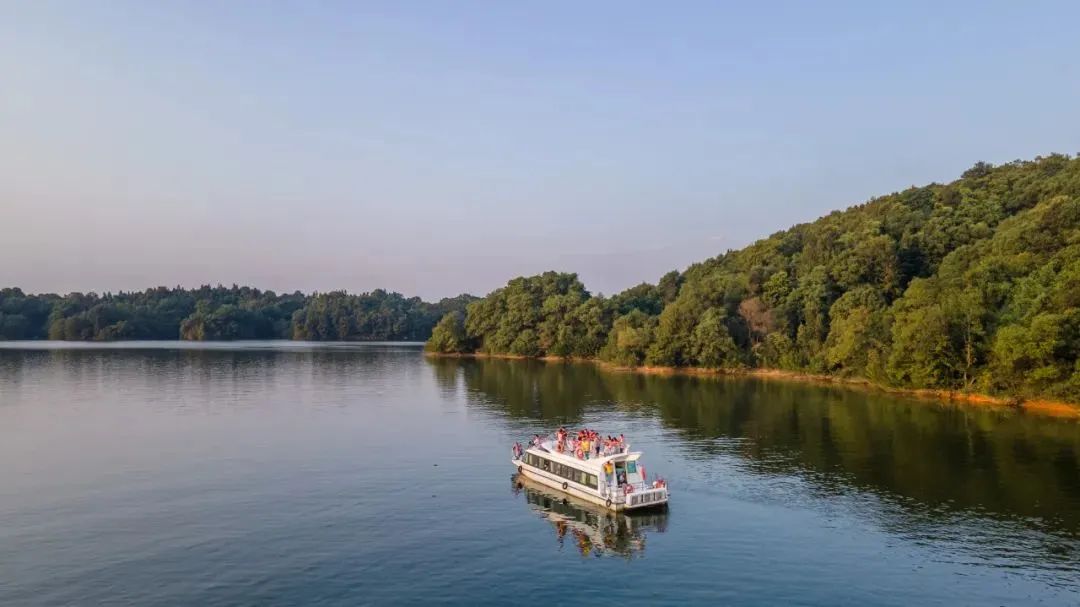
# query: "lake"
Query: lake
{"points": [[284, 473]]}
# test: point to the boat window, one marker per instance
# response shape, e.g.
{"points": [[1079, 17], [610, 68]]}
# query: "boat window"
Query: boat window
{"points": [[631, 467], [568, 472]]}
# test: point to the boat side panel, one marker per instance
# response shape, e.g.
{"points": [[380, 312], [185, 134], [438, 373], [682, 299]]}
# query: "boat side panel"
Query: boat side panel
{"points": [[590, 466], [556, 482]]}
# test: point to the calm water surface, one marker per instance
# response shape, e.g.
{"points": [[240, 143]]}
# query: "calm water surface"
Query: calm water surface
{"points": [[286, 473]]}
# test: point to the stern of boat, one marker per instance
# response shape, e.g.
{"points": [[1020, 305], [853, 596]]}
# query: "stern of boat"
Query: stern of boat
{"points": [[652, 497]]}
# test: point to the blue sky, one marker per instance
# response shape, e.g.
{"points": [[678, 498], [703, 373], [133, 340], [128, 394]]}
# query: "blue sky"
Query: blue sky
{"points": [[441, 147]]}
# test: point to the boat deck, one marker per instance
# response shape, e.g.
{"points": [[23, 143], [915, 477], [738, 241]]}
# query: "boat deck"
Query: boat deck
{"points": [[547, 448]]}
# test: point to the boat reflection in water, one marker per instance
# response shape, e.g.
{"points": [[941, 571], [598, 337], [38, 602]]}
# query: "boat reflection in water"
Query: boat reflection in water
{"points": [[594, 530]]}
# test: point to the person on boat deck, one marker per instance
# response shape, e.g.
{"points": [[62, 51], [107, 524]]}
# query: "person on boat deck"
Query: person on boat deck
{"points": [[611, 446]]}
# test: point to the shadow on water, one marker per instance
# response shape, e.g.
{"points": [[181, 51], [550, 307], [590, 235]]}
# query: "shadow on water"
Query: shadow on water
{"points": [[932, 460], [523, 388], [594, 531]]}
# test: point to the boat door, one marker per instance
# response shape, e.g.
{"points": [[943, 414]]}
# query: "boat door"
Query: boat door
{"points": [[620, 473]]}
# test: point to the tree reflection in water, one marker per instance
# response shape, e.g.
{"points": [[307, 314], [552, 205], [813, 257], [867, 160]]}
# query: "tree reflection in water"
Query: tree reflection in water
{"points": [[595, 531], [930, 458]]}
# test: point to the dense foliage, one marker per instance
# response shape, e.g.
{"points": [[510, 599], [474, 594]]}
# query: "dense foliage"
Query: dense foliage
{"points": [[972, 285], [220, 313]]}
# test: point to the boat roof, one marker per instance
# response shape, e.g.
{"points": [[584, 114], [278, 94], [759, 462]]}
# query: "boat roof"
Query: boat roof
{"points": [[547, 449]]}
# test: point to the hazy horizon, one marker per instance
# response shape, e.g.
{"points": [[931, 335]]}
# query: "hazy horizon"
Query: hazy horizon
{"points": [[435, 150]]}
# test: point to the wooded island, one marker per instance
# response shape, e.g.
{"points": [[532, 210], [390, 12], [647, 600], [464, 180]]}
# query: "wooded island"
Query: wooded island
{"points": [[221, 313]]}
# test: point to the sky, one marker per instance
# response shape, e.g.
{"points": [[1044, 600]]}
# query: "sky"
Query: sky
{"points": [[435, 148]]}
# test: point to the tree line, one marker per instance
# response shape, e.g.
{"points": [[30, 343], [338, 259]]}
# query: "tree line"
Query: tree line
{"points": [[972, 285], [220, 313]]}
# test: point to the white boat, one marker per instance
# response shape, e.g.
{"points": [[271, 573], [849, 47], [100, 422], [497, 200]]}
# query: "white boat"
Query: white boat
{"points": [[592, 529], [614, 480]]}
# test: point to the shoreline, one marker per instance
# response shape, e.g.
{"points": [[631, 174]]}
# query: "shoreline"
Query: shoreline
{"points": [[1040, 406]]}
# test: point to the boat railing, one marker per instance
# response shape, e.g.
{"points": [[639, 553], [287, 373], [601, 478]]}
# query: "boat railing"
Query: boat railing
{"points": [[620, 490], [549, 443]]}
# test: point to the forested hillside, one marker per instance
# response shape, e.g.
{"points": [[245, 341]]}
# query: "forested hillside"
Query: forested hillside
{"points": [[220, 313], [973, 285]]}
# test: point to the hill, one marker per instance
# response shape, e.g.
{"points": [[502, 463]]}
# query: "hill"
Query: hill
{"points": [[972, 285]]}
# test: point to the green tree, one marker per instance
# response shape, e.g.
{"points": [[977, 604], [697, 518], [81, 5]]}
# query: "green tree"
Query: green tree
{"points": [[858, 334], [449, 335], [629, 339], [711, 345]]}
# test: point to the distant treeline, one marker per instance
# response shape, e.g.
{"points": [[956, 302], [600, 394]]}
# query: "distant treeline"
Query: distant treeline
{"points": [[220, 313], [973, 285]]}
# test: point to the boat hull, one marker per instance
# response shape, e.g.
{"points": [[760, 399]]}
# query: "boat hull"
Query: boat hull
{"points": [[616, 503]]}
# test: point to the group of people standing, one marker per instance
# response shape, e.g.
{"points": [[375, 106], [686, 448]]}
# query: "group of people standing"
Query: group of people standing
{"points": [[585, 444], [588, 443]]}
